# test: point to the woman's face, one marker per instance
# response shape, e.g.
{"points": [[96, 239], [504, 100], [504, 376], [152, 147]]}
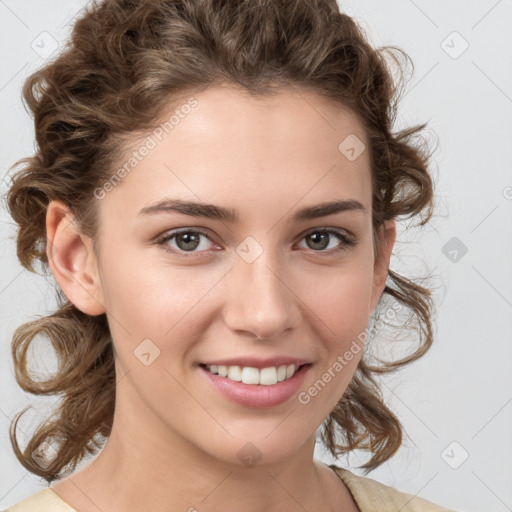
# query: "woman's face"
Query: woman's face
{"points": [[264, 287]]}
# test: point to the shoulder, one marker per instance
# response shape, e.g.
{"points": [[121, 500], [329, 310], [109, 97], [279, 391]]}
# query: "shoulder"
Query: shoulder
{"points": [[373, 496], [43, 501]]}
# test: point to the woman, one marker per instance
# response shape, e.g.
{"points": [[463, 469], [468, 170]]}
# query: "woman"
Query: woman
{"points": [[215, 191]]}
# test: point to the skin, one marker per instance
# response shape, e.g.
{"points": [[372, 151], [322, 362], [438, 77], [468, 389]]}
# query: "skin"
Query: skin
{"points": [[175, 438]]}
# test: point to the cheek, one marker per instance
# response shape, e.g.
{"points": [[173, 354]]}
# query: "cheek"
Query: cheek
{"points": [[342, 307], [138, 289], [155, 300], [342, 312], [342, 297]]}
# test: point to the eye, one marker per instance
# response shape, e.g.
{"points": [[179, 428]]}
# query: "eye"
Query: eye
{"points": [[187, 240], [320, 238]]}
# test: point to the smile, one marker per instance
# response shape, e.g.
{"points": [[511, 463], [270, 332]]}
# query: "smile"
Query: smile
{"points": [[256, 387], [249, 375]]}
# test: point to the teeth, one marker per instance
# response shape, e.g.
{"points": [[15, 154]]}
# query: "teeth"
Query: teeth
{"points": [[234, 373], [249, 375]]}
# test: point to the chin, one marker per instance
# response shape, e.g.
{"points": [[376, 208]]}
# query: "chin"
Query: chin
{"points": [[256, 447]]}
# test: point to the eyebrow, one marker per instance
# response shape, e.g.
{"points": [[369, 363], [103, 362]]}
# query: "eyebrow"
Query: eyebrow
{"points": [[212, 211]]}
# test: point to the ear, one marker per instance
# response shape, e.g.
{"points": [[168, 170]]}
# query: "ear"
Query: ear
{"points": [[72, 260], [386, 240]]}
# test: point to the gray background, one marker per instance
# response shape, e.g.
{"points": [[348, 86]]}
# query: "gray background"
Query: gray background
{"points": [[455, 403]]}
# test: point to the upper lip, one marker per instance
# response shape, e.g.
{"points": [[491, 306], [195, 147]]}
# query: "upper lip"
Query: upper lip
{"points": [[254, 362]]}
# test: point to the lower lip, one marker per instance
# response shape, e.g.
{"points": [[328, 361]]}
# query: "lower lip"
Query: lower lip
{"points": [[258, 396]]}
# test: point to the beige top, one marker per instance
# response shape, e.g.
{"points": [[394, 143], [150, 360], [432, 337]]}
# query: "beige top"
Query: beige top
{"points": [[369, 495]]}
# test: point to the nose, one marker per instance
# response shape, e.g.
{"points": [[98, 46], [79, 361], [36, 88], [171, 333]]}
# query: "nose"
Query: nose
{"points": [[261, 299]]}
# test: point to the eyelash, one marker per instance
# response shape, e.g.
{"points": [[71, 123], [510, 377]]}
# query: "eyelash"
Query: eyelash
{"points": [[347, 242]]}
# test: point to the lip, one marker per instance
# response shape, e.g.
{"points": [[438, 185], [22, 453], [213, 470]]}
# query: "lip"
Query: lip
{"points": [[258, 363], [257, 396]]}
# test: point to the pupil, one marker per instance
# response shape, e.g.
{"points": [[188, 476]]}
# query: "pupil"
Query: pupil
{"points": [[316, 240], [189, 236]]}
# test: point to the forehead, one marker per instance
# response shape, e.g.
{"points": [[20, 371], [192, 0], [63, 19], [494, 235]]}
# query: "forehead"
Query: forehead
{"points": [[231, 147], [288, 115]]}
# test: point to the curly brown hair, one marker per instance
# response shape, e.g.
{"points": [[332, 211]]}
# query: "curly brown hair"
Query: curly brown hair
{"points": [[125, 61]]}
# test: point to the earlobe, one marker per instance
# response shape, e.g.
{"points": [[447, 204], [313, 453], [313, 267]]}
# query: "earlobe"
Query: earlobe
{"points": [[72, 260], [386, 242]]}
